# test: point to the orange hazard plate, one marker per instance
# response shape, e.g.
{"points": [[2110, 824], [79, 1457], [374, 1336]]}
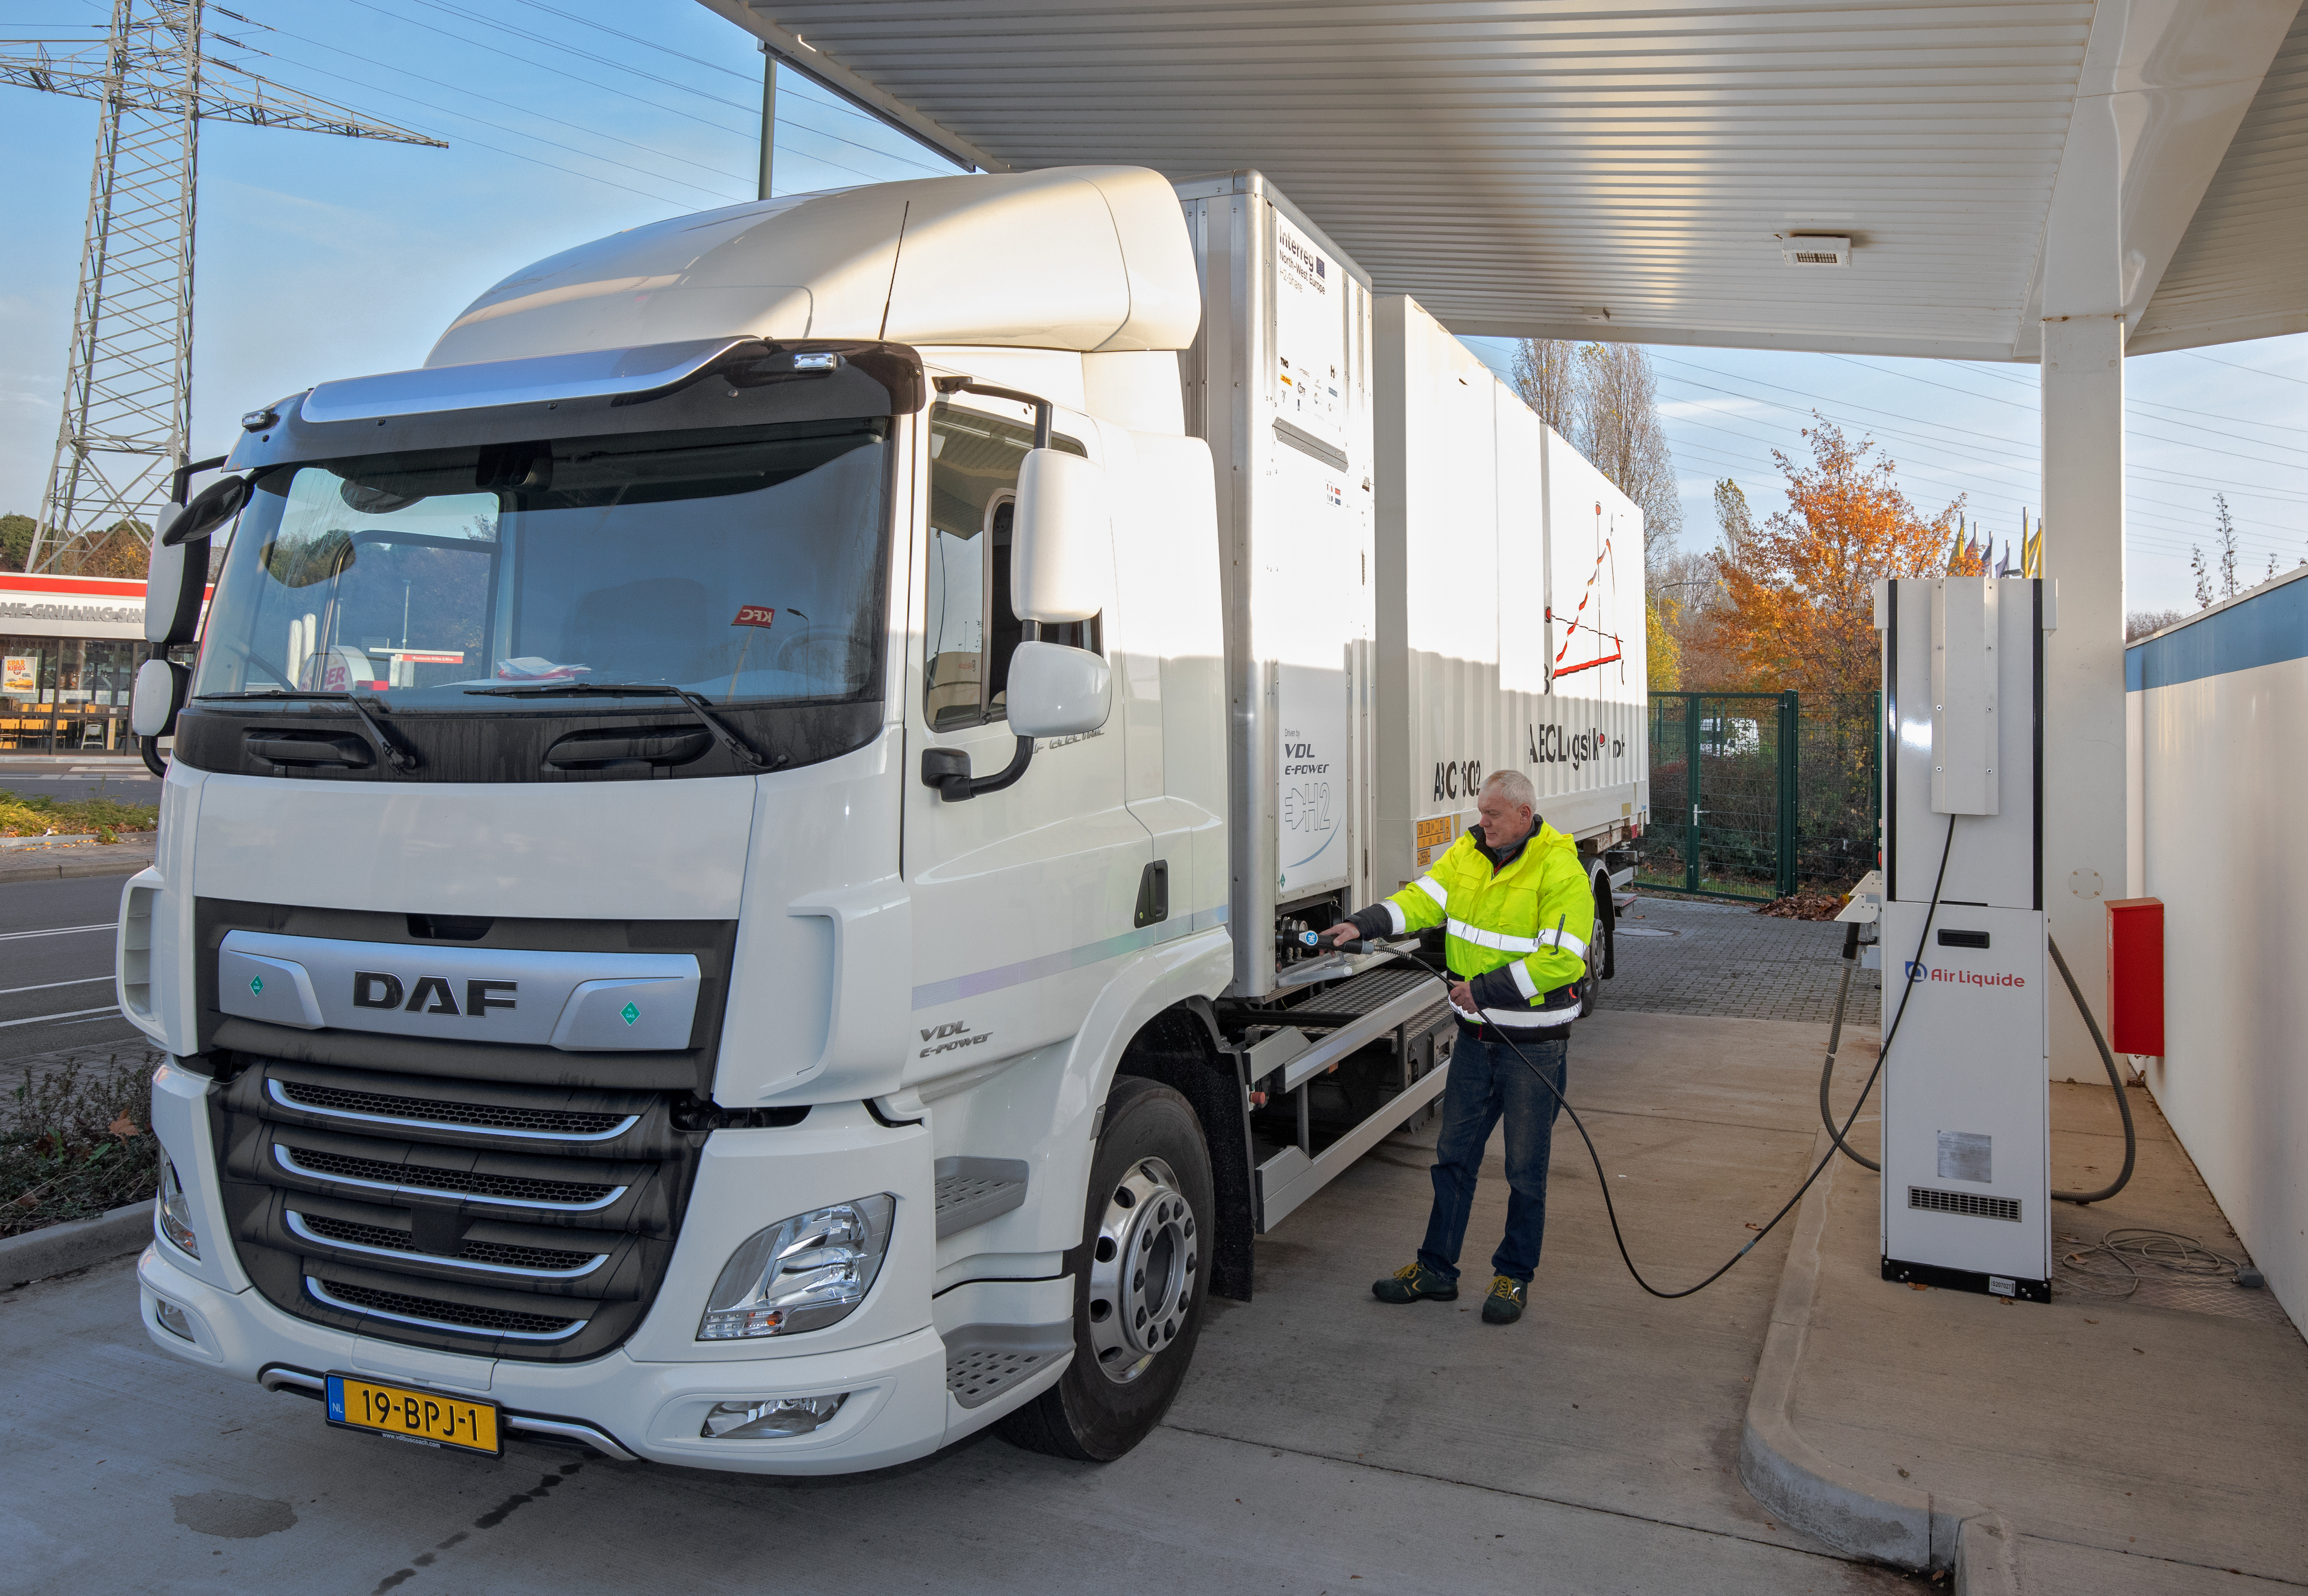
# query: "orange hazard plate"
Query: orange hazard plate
{"points": [[426, 1416]]}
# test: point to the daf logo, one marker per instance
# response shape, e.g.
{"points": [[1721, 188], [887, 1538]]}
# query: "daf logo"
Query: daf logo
{"points": [[431, 994]]}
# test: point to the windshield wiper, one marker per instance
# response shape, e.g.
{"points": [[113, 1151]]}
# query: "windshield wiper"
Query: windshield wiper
{"points": [[731, 738], [397, 753]]}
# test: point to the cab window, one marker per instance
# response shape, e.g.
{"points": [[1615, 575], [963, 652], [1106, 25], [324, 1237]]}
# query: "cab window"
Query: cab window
{"points": [[972, 630]]}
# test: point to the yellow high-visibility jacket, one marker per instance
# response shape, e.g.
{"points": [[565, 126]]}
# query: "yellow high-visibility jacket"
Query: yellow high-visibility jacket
{"points": [[1517, 925]]}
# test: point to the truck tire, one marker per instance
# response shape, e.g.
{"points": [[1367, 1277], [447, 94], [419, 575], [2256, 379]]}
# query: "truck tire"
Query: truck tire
{"points": [[1601, 962], [1142, 1276]]}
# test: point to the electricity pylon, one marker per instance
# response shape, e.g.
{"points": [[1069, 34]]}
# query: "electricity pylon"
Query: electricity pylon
{"points": [[127, 389]]}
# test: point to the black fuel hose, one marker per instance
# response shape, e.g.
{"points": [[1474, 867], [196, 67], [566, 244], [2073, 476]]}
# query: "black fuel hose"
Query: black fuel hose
{"points": [[1604, 1181], [2114, 1077]]}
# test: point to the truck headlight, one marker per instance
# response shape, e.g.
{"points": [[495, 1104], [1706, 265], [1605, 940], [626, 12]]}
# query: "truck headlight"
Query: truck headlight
{"points": [[172, 1213], [801, 1274]]}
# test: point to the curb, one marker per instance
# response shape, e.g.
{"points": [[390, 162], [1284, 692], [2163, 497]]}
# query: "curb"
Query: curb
{"points": [[114, 860], [60, 1248], [1876, 1519]]}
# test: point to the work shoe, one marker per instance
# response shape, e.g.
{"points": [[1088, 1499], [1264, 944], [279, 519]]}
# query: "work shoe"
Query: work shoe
{"points": [[1506, 1302], [1412, 1282]]}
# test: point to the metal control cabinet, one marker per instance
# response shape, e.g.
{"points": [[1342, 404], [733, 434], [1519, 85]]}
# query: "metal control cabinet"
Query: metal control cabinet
{"points": [[1967, 1163]]}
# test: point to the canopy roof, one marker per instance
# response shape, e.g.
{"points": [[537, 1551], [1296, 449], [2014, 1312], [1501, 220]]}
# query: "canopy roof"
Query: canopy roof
{"points": [[1537, 167]]}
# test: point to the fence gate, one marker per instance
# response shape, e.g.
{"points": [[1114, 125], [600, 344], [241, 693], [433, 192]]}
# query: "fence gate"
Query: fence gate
{"points": [[1723, 795]]}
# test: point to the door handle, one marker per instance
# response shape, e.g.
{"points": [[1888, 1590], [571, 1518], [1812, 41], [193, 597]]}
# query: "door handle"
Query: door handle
{"points": [[1153, 895]]}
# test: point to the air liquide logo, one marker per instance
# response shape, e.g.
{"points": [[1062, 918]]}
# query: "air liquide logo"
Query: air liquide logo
{"points": [[1920, 973], [431, 994]]}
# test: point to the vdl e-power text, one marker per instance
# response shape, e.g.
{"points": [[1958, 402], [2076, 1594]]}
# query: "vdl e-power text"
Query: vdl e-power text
{"points": [[736, 864]]}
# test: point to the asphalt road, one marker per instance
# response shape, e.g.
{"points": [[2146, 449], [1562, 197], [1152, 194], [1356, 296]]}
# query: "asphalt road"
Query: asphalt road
{"points": [[1323, 1443], [66, 785], [56, 965]]}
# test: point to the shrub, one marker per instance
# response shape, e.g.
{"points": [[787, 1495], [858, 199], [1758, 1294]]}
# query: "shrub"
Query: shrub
{"points": [[76, 1142]]}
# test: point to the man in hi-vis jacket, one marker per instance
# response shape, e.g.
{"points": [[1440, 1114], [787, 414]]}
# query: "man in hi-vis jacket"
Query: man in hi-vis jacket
{"points": [[1518, 911]]}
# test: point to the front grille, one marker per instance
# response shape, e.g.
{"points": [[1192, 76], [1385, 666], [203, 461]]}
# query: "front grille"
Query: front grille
{"points": [[521, 1189], [426, 1310], [516, 1119], [495, 1218], [483, 1254], [1965, 1203]]}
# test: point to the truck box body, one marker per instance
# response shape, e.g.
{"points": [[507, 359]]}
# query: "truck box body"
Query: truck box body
{"points": [[1511, 630], [603, 876], [1424, 582]]}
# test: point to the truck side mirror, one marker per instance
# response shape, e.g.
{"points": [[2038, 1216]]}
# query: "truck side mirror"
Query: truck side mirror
{"points": [[178, 574], [161, 686], [1061, 550], [1057, 691]]}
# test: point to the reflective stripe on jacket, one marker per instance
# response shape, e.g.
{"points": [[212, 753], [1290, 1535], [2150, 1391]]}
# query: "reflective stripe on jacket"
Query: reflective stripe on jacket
{"points": [[1516, 934]]}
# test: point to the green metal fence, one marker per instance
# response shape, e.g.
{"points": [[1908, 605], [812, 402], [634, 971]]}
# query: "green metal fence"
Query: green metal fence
{"points": [[1754, 795]]}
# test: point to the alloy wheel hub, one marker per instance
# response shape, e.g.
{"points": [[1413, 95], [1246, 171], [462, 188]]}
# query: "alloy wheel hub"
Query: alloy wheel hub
{"points": [[1142, 1270]]}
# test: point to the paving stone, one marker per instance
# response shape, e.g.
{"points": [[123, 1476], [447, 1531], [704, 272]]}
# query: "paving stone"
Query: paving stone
{"points": [[1718, 959]]}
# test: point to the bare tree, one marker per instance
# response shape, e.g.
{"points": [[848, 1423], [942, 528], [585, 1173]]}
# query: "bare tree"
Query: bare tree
{"points": [[2142, 623], [1619, 431], [1546, 376], [1731, 515], [2211, 589]]}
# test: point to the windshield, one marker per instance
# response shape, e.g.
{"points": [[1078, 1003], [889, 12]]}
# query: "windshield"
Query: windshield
{"points": [[743, 565]]}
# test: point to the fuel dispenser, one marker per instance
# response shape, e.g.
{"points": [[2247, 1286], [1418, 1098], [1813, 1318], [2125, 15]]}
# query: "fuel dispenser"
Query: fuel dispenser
{"points": [[1966, 1107]]}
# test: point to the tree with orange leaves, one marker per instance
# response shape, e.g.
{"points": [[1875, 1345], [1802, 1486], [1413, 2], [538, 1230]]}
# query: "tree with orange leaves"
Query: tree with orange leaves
{"points": [[1800, 589]]}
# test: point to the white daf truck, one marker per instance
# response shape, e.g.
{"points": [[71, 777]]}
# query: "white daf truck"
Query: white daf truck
{"points": [[734, 876]]}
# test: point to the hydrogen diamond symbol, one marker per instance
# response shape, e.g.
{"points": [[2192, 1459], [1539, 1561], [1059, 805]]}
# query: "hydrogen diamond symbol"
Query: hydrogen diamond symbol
{"points": [[630, 1013], [256, 986]]}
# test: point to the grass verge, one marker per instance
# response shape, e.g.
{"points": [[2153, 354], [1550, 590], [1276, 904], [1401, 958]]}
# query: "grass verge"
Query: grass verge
{"points": [[39, 814], [75, 1142]]}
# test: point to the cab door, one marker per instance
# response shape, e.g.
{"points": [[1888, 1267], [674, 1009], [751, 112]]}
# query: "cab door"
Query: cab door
{"points": [[1023, 897]]}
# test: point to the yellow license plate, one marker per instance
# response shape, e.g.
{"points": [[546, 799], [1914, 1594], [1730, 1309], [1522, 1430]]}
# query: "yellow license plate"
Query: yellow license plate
{"points": [[414, 1415]]}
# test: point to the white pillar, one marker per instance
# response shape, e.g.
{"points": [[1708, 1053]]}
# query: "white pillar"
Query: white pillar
{"points": [[2086, 781]]}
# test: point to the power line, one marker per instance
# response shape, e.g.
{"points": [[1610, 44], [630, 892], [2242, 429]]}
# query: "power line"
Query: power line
{"points": [[1922, 439], [821, 98], [560, 73], [489, 22], [520, 133], [2133, 498], [2254, 370], [459, 88], [655, 105], [2148, 538], [1910, 376]]}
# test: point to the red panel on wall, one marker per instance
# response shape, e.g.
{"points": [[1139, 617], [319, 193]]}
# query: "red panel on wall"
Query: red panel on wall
{"points": [[2135, 975]]}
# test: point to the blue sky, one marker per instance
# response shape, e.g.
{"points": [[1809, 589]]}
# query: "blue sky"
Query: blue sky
{"points": [[324, 257]]}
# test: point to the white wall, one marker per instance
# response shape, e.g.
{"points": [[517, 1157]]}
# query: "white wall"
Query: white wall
{"points": [[2219, 769]]}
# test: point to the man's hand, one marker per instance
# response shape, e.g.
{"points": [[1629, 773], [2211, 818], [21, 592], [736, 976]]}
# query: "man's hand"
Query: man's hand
{"points": [[1463, 998], [1344, 933]]}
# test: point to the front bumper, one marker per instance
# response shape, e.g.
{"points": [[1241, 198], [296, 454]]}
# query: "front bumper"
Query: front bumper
{"points": [[898, 1407]]}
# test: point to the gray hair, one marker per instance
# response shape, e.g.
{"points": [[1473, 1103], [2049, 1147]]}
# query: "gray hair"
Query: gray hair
{"points": [[1513, 786]]}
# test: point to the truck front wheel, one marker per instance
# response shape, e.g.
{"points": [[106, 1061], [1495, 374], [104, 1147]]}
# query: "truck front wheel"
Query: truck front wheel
{"points": [[1140, 1285]]}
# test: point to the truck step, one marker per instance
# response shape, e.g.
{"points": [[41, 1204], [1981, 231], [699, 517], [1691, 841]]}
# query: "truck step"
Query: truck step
{"points": [[972, 1190], [1349, 1015], [1355, 1000], [983, 1361]]}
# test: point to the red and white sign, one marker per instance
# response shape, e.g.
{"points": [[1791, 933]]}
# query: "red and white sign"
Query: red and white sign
{"points": [[754, 614]]}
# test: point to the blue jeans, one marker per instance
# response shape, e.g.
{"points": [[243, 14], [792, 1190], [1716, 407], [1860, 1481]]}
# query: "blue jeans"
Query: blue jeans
{"points": [[1488, 1080]]}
